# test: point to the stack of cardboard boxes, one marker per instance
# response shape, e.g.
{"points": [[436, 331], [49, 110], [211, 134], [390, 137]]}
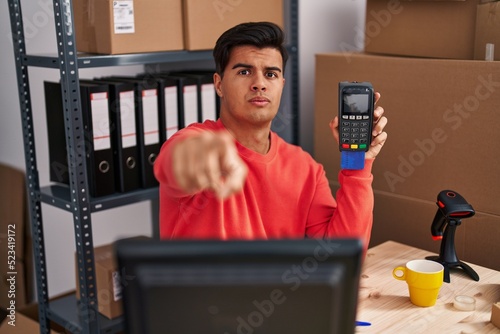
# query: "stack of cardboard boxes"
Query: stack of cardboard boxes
{"points": [[443, 109], [127, 26]]}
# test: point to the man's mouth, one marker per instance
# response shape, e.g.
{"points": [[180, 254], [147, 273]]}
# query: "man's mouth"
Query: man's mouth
{"points": [[259, 100]]}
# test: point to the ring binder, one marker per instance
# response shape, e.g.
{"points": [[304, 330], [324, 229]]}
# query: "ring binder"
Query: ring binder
{"points": [[97, 141], [147, 121], [124, 134]]}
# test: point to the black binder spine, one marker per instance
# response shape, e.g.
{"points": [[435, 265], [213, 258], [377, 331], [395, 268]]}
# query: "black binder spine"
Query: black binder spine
{"points": [[124, 134], [187, 90], [96, 119], [147, 122], [171, 107], [208, 100], [97, 141], [168, 105], [58, 156], [149, 131]]}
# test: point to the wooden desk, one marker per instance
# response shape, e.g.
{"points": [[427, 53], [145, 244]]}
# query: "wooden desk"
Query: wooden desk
{"points": [[384, 301]]}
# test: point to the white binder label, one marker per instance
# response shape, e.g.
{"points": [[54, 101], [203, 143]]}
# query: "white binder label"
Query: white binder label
{"points": [[190, 105], [172, 110], [100, 121], [123, 14], [127, 119], [150, 117], [208, 101]]}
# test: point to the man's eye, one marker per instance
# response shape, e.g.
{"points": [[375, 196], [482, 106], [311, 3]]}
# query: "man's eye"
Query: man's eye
{"points": [[272, 74], [244, 72]]}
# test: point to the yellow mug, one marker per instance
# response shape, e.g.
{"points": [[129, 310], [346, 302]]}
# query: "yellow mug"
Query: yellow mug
{"points": [[424, 279]]}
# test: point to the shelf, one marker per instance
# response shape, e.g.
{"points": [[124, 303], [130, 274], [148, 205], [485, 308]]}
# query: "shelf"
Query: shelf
{"points": [[59, 196], [65, 311], [73, 315], [96, 60]]}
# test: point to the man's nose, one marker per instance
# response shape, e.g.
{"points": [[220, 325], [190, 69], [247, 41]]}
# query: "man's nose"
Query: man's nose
{"points": [[259, 84]]}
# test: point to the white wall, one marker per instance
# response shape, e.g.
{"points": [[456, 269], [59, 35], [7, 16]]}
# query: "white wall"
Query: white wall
{"points": [[324, 26]]}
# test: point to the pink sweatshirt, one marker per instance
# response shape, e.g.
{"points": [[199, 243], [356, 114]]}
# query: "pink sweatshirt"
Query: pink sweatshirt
{"points": [[286, 195]]}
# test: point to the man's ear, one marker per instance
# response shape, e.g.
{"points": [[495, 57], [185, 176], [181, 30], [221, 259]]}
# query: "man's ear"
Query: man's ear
{"points": [[218, 84]]}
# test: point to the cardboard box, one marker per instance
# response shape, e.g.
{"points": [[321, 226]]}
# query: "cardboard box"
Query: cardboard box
{"points": [[26, 321], [205, 21], [15, 243], [495, 314], [24, 324], [408, 220], [125, 26], [439, 111], [108, 280], [109, 298], [13, 284], [487, 29], [443, 115], [422, 28]]}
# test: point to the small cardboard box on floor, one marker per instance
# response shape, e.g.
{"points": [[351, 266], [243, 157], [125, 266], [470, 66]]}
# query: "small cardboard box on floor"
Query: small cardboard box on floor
{"points": [[205, 21], [108, 281], [444, 123], [26, 320], [121, 26], [421, 28], [15, 241]]}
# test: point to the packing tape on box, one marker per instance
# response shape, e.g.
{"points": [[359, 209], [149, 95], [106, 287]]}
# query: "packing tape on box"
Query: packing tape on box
{"points": [[464, 303], [490, 52]]}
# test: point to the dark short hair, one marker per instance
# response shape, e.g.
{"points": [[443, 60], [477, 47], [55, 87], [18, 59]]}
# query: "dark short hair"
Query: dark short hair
{"points": [[258, 34]]}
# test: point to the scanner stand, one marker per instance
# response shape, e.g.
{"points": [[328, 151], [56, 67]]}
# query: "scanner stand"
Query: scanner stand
{"points": [[447, 254]]}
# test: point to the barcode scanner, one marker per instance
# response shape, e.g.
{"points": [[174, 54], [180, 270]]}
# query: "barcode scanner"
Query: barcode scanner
{"points": [[452, 208]]}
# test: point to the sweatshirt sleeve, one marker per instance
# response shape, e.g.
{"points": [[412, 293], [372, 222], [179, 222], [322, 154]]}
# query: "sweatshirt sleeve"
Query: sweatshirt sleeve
{"points": [[162, 168], [351, 214]]}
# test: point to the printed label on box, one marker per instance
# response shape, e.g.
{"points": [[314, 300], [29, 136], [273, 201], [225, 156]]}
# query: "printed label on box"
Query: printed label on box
{"points": [[123, 12], [117, 288]]}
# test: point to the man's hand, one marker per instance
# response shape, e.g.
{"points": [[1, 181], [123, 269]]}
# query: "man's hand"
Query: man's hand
{"points": [[379, 136], [209, 162]]}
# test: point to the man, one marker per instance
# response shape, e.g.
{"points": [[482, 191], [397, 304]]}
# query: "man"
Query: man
{"points": [[236, 179]]}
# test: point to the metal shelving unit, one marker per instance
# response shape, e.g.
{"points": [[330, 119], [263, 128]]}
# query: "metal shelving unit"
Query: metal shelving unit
{"points": [[82, 316]]}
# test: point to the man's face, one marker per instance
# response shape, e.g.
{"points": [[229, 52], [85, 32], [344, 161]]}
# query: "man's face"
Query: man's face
{"points": [[252, 85]]}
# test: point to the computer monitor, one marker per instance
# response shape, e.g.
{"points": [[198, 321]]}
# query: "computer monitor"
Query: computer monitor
{"points": [[240, 287]]}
